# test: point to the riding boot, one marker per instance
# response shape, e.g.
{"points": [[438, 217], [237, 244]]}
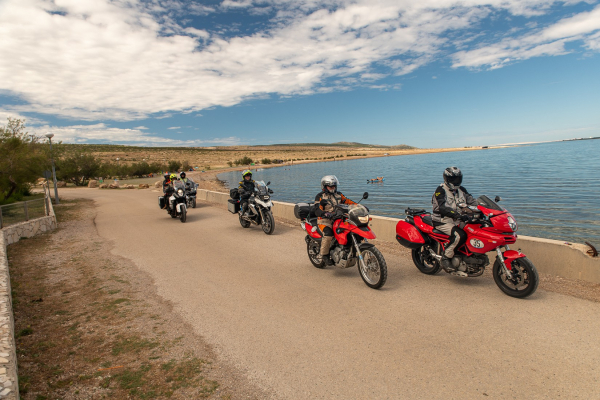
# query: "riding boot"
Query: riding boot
{"points": [[447, 264], [325, 247]]}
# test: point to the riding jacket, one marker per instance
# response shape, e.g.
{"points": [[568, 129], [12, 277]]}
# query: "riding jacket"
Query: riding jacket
{"points": [[335, 198], [445, 203], [246, 188]]}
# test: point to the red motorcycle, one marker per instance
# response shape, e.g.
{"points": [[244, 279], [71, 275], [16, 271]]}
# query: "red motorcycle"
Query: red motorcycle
{"points": [[489, 228], [350, 245]]}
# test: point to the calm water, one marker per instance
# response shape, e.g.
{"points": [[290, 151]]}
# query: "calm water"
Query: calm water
{"points": [[552, 189]]}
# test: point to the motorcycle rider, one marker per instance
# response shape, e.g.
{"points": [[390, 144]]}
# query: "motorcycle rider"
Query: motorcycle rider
{"points": [[245, 190], [329, 185], [189, 184], [168, 187], [446, 213]]}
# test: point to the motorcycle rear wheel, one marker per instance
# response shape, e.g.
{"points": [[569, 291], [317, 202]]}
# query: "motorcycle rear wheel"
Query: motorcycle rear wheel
{"points": [[421, 256], [183, 215], [194, 202], [244, 223], [525, 278], [313, 248], [374, 274], [268, 223]]}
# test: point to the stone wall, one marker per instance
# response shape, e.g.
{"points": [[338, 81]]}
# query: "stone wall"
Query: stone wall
{"points": [[549, 256], [9, 385], [30, 228], [8, 357]]}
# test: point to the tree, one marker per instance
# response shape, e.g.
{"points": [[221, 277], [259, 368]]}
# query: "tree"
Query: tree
{"points": [[78, 168], [22, 159], [186, 166]]}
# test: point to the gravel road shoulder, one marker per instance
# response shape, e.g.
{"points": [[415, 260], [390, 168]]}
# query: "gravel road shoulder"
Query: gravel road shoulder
{"points": [[90, 325]]}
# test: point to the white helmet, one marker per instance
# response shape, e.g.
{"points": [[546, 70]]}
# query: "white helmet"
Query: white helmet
{"points": [[329, 180]]}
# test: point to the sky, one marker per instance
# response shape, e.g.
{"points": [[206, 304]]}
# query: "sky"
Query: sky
{"points": [[427, 73]]}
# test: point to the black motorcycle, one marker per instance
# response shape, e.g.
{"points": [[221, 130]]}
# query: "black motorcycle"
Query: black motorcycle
{"points": [[176, 204], [190, 194], [259, 207]]}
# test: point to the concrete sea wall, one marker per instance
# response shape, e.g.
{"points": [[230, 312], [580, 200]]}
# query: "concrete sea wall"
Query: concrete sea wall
{"points": [[549, 256]]}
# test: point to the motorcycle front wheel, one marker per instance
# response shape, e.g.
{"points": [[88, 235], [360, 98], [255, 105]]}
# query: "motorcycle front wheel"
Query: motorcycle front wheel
{"points": [[524, 281], [194, 202], [183, 215], [268, 223], [373, 269], [424, 262], [313, 248]]}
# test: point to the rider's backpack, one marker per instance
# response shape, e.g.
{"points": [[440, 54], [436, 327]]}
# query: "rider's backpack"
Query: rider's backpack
{"points": [[303, 210], [234, 194]]}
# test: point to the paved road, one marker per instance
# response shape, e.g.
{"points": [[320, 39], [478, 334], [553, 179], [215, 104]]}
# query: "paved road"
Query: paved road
{"points": [[306, 333]]}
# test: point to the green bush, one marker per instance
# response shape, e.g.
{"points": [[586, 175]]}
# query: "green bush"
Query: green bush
{"points": [[243, 161], [266, 161], [174, 166]]}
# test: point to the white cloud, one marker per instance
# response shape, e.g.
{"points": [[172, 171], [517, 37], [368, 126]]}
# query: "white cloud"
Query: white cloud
{"points": [[130, 59], [101, 133], [174, 127], [549, 41]]}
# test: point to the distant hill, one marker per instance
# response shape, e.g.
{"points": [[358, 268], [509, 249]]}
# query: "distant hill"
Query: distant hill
{"points": [[341, 144]]}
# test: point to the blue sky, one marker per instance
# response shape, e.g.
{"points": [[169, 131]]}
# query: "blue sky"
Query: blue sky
{"points": [[430, 73]]}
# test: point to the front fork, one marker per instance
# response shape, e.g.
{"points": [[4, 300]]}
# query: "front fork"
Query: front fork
{"points": [[501, 258], [358, 253]]}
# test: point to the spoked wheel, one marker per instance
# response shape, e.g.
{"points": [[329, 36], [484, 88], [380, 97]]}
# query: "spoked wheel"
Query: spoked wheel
{"points": [[313, 248], [183, 216], [194, 202], [524, 281], [268, 223], [244, 223], [424, 261], [373, 269]]}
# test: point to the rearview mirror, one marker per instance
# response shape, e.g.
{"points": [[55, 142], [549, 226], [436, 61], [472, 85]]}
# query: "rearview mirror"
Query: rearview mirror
{"points": [[497, 199], [268, 183], [365, 195]]}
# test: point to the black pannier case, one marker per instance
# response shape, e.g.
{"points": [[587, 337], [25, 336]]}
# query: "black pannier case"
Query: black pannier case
{"points": [[303, 210], [161, 202]]}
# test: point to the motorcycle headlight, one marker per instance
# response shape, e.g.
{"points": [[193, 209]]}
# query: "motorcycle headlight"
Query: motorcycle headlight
{"points": [[180, 192], [265, 198], [363, 220], [513, 224]]}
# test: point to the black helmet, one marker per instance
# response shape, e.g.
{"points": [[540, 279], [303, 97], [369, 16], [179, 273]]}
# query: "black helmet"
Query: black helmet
{"points": [[182, 175], [166, 177], [329, 180], [452, 177]]}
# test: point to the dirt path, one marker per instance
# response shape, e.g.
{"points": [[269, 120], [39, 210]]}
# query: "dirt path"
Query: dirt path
{"points": [[90, 325], [306, 333]]}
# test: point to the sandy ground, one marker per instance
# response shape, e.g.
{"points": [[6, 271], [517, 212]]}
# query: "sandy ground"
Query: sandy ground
{"points": [[300, 332]]}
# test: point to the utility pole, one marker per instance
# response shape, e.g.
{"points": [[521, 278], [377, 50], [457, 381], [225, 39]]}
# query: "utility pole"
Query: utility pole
{"points": [[50, 136]]}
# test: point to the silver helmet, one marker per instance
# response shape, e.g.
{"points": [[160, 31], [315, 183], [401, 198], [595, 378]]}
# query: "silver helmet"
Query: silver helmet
{"points": [[453, 177], [329, 180]]}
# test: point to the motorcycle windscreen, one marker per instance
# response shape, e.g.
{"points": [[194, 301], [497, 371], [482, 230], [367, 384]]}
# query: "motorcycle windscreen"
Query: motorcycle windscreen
{"points": [[408, 235], [261, 188]]}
